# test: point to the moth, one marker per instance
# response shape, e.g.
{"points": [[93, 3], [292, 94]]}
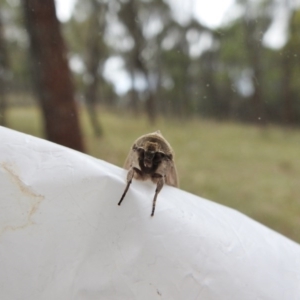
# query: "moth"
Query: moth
{"points": [[151, 157]]}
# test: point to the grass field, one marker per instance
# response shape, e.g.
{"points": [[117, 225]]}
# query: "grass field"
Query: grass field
{"points": [[254, 170]]}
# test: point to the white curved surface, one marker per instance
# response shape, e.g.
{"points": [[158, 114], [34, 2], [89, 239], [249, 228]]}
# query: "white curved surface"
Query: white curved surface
{"points": [[63, 236]]}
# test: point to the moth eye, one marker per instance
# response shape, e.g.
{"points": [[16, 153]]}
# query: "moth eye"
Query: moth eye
{"points": [[140, 151], [158, 155]]}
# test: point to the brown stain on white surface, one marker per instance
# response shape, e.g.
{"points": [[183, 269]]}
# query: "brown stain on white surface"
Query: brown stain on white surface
{"points": [[27, 192]]}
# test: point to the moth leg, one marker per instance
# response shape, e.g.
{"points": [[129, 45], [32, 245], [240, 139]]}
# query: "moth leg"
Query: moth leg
{"points": [[160, 184], [129, 180]]}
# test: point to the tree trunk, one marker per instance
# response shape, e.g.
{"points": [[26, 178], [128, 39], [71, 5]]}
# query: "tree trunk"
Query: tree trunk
{"points": [[129, 15], [288, 107], [3, 70], [134, 97], [97, 24], [52, 75], [253, 47]]}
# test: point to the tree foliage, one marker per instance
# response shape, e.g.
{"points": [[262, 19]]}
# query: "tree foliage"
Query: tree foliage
{"points": [[179, 68]]}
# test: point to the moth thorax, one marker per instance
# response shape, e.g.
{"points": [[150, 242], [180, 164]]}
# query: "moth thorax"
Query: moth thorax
{"points": [[151, 147], [150, 150]]}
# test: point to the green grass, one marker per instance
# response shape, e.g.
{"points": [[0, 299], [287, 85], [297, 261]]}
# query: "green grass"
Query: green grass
{"points": [[254, 170]]}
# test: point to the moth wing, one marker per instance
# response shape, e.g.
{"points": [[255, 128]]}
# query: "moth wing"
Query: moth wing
{"points": [[132, 160], [171, 176], [127, 162]]}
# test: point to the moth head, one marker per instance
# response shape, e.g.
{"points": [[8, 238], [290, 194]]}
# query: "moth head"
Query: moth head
{"points": [[150, 153]]}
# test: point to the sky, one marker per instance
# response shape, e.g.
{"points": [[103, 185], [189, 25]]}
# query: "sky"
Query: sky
{"points": [[210, 12], [64, 9]]}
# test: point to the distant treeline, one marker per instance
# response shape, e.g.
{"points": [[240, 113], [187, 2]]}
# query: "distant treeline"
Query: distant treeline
{"points": [[171, 68]]}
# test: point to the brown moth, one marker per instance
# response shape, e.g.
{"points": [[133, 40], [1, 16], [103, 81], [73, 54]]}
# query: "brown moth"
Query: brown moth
{"points": [[151, 157]]}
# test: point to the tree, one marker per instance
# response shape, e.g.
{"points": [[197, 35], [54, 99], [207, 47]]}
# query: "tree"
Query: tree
{"points": [[3, 71], [255, 22], [129, 14], [290, 72], [94, 51], [51, 74]]}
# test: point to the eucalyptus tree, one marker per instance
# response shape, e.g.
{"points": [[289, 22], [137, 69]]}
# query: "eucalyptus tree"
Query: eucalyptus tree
{"points": [[51, 73], [291, 72], [3, 74]]}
